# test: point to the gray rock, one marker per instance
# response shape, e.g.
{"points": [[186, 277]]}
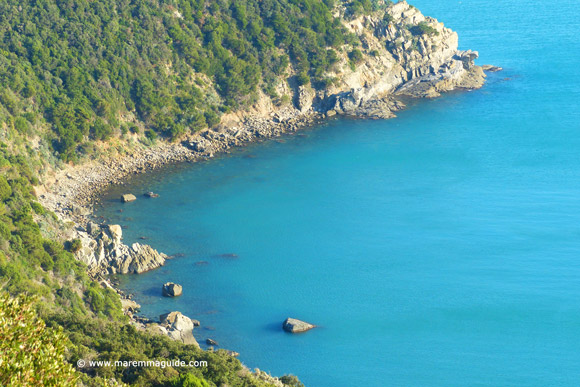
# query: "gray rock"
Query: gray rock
{"points": [[141, 258], [171, 289], [293, 325], [211, 342], [467, 57], [93, 228], [116, 232], [104, 252], [178, 327], [128, 198], [491, 68], [304, 97]]}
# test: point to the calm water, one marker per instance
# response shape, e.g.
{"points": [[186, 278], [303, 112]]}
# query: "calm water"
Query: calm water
{"points": [[438, 248]]}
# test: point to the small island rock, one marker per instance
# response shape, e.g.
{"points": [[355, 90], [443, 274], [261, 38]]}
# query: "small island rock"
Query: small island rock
{"points": [[128, 198], [293, 325], [211, 342], [171, 289]]}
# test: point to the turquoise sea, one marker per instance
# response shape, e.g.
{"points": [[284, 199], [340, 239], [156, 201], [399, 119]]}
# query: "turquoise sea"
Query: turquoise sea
{"points": [[438, 248]]}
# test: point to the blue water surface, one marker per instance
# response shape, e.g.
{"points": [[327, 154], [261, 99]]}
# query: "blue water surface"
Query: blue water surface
{"points": [[438, 248]]}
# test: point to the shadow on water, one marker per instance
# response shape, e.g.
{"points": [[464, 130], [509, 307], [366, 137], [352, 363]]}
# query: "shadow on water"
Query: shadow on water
{"points": [[274, 327]]}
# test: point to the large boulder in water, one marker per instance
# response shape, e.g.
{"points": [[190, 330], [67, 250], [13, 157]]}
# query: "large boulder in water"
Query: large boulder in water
{"points": [[171, 289], [128, 198], [293, 325]]}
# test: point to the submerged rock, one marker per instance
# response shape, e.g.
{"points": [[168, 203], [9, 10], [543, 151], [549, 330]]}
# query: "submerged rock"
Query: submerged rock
{"points": [[151, 195], [491, 68], [293, 325], [171, 289], [211, 342], [128, 198], [227, 255]]}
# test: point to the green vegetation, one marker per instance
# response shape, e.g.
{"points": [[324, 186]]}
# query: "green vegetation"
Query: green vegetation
{"points": [[78, 73], [79, 67], [118, 341], [423, 28], [355, 57], [94, 326], [30, 353]]}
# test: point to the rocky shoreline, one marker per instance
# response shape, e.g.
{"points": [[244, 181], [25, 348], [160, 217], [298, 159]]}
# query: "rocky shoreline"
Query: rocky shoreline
{"points": [[74, 191], [413, 67]]}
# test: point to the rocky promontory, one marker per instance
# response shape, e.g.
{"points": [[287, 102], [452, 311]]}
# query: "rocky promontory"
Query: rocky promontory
{"points": [[104, 253]]}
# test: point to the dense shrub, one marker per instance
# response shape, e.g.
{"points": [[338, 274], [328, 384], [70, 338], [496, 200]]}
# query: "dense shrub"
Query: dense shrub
{"points": [[5, 190], [30, 353], [423, 28]]}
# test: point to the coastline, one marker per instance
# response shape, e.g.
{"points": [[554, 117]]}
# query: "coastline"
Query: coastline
{"points": [[75, 191], [374, 91]]}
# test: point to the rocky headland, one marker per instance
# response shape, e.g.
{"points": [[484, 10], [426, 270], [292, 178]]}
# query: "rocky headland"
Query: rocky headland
{"points": [[411, 56]]}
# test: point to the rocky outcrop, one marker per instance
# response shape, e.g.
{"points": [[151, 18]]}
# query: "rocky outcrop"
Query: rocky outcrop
{"points": [[171, 289], [104, 253], [459, 73], [361, 103], [129, 307], [293, 325], [304, 98], [414, 56], [178, 327]]}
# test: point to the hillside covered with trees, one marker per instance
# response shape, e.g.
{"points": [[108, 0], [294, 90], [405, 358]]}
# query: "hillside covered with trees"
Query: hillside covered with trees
{"points": [[86, 70], [76, 73]]}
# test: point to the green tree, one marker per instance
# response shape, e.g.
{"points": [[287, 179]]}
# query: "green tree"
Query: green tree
{"points": [[5, 190]]}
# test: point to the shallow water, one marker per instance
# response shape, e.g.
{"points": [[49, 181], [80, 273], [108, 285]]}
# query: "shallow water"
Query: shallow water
{"points": [[437, 248]]}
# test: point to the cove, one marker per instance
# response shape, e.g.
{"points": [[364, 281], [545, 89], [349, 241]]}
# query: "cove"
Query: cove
{"points": [[437, 248]]}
